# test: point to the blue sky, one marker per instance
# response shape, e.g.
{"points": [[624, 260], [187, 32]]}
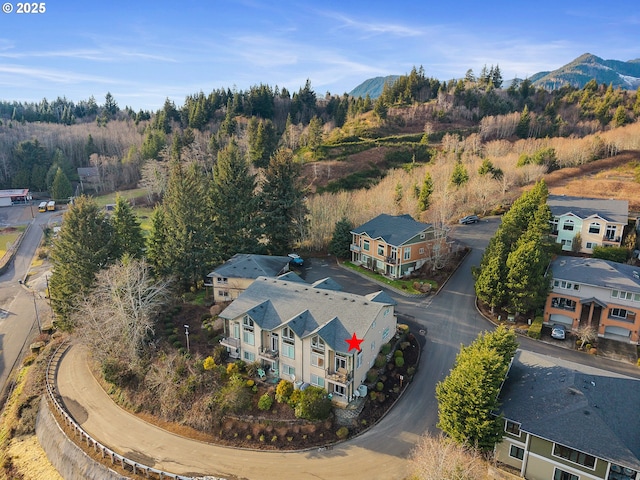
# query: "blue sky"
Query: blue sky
{"points": [[143, 51]]}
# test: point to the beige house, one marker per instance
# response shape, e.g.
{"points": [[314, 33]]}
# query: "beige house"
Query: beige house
{"points": [[232, 277], [299, 332], [396, 245]]}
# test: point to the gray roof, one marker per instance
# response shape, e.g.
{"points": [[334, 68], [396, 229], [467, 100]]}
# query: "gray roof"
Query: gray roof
{"points": [[585, 408], [394, 230], [247, 265], [597, 272], [328, 284], [616, 211], [334, 315]]}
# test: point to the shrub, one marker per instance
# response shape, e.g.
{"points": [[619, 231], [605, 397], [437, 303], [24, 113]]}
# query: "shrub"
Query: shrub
{"points": [[403, 329], [294, 398], [250, 383], [398, 353], [411, 371], [252, 368], [372, 376], [342, 433], [373, 395], [262, 438], [220, 354], [381, 397], [399, 362], [405, 345], [386, 348], [588, 346], [284, 391], [233, 369], [209, 363], [535, 330], [380, 361], [314, 404], [379, 386], [274, 439]]}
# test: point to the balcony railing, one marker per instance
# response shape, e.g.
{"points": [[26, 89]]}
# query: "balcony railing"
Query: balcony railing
{"points": [[268, 354], [611, 239], [392, 260], [354, 248], [340, 376], [230, 342]]}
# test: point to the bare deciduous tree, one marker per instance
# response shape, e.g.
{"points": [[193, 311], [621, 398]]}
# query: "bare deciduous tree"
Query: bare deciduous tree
{"points": [[586, 334], [439, 458], [117, 320]]}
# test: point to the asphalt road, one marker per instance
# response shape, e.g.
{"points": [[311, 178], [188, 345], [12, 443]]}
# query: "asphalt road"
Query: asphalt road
{"points": [[449, 319], [17, 303]]}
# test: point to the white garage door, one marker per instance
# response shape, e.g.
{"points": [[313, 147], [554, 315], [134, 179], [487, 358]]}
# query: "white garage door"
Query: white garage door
{"points": [[562, 319], [619, 331]]}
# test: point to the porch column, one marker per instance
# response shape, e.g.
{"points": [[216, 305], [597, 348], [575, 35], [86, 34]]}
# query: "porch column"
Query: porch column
{"points": [[591, 305]]}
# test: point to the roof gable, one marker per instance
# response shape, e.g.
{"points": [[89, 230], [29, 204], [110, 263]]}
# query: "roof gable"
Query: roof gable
{"points": [[394, 230], [614, 211], [246, 265]]}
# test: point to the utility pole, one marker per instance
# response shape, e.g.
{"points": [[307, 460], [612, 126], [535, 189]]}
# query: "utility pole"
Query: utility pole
{"points": [[186, 332]]}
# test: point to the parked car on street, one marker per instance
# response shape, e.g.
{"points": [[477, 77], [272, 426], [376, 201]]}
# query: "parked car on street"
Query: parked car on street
{"points": [[469, 219], [559, 332], [296, 260]]}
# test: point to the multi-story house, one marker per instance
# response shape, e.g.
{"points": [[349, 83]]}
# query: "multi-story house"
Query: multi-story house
{"points": [[599, 222], [232, 277], [300, 332], [595, 292], [568, 421], [396, 245]]}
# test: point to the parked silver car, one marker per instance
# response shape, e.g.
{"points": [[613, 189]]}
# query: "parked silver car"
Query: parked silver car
{"points": [[559, 332]]}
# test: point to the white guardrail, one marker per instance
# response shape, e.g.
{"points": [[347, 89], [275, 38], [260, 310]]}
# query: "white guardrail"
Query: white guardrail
{"points": [[126, 463]]}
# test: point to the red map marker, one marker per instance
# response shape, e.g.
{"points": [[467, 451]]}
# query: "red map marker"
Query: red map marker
{"points": [[354, 342]]}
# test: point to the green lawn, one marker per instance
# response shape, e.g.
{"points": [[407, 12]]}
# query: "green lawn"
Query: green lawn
{"points": [[405, 285], [103, 200], [8, 237]]}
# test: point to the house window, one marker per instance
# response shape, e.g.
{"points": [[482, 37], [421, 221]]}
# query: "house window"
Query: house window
{"points": [[339, 390], [566, 243], [554, 226], [636, 297], [407, 253], [340, 362], [512, 427], [288, 345], [317, 343], [422, 235], [618, 313], [381, 250], [564, 303], [373, 346], [568, 225], [562, 475], [516, 452], [223, 293], [248, 336], [574, 456], [249, 356], [288, 351], [385, 333], [317, 359], [365, 245], [611, 232], [594, 228], [288, 370], [236, 330], [618, 472], [421, 251], [223, 280], [317, 380], [589, 245], [621, 295], [359, 359]]}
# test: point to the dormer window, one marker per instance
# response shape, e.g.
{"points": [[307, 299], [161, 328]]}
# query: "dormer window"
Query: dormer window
{"points": [[317, 343], [287, 335]]}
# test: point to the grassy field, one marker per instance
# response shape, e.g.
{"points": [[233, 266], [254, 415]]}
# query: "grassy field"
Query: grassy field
{"points": [[7, 238]]}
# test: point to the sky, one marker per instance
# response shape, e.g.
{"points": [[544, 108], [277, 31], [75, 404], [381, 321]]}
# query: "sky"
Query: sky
{"points": [[143, 52]]}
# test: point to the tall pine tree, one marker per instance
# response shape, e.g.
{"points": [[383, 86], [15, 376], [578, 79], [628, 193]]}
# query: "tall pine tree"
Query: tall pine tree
{"points": [[282, 203], [128, 237]]}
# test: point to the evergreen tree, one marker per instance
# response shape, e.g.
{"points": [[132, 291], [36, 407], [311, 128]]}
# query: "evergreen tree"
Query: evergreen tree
{"points": [[468, 396], [491, 278], [282, 203], [110, 105], [496, 77], [83, 247], [190, 243], [620, 117], [157, 243], [61, 188], [424, 199], [128, 238], [459, 176], [235, 204], [522, 129], [340, 244], [314, 133], [263, 141]]}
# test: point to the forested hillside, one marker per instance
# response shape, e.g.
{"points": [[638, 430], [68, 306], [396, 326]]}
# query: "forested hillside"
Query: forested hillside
{"points": [[430, 148]]}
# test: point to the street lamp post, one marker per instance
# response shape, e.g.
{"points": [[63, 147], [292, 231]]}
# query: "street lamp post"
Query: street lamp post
{"points": [[186, 332]]}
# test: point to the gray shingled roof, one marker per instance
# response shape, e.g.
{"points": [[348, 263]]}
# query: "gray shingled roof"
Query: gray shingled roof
{"points": [[598, 272], [611, 210], [328, 284], [581, 407], [246, 265], [394, 230], [334, 315]]}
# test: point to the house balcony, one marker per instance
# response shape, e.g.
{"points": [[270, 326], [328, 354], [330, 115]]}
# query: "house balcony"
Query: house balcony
{"points": [[230, 342], [341, 376], [269, 355], [392, 260], [354, 248], [611, 239]]}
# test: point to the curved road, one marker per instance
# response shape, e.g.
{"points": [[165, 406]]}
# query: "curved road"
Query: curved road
{"points": [[450, 319]]}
